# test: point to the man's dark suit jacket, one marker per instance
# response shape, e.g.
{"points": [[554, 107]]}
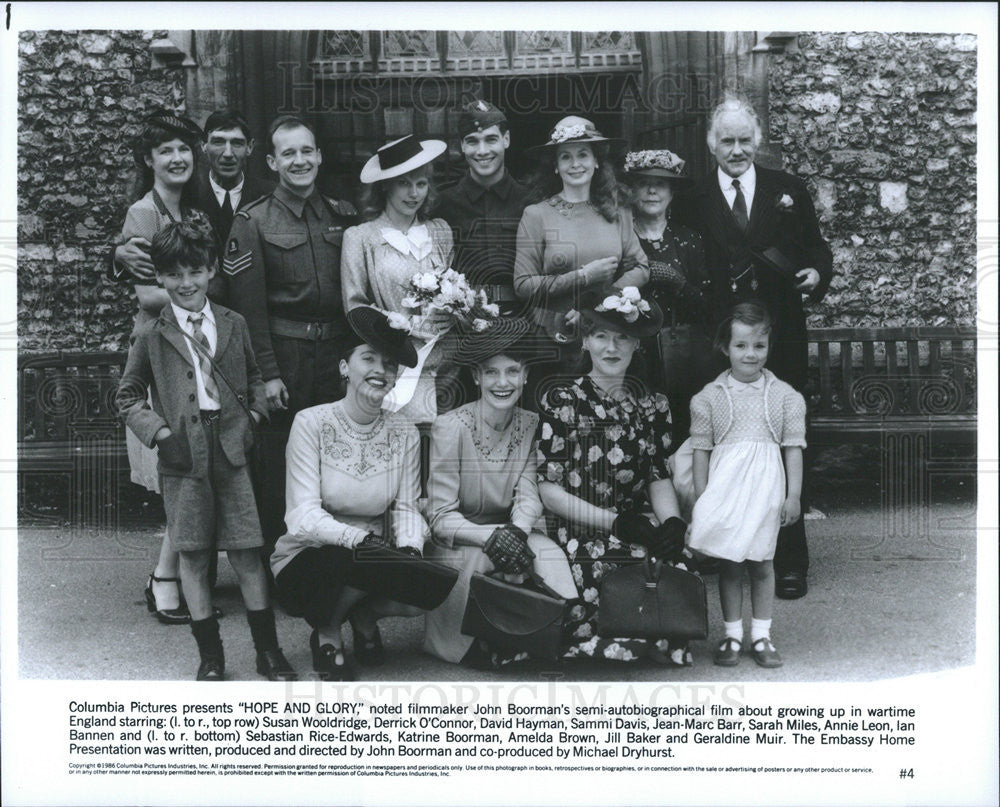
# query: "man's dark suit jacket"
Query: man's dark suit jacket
{"points": [[793, 229], [253, 189]]}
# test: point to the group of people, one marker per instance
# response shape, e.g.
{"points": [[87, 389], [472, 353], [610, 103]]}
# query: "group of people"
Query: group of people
{"points": [[633, 392]]}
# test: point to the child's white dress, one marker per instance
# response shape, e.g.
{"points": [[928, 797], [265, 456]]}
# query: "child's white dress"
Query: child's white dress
{"points": [[744, 425]]}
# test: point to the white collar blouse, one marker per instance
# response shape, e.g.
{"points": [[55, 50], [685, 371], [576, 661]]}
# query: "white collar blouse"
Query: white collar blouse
{"points": [[416, 241]]}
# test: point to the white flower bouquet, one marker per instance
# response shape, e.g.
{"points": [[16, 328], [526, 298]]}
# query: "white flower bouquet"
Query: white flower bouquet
{"points": [[449, 291]]}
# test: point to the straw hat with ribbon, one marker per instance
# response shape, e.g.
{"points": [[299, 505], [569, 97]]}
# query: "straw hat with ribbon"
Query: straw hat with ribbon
{"points": [[400, 157]]}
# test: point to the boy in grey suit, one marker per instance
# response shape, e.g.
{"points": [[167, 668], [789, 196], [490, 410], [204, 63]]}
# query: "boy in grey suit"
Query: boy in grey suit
{"points": [[197, 363]]}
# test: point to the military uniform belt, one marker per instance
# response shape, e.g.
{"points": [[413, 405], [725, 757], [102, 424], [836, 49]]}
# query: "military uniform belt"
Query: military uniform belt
{"points": [[314, 331], [498, 293]]}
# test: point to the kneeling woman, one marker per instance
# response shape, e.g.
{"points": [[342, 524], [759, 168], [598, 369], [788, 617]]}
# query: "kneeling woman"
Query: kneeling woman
{"points": [[483, 501], [349, 465], [603, 464]]}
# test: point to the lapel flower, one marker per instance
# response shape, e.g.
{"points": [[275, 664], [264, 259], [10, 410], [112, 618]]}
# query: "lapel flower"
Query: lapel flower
{"points": [[785, 202]]}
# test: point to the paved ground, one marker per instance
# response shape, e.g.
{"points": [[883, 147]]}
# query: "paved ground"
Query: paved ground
{"points": [[878, 607]]}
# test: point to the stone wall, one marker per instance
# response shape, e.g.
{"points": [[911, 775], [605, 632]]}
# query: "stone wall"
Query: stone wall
{"points": [[81, 95], [883, 128]]}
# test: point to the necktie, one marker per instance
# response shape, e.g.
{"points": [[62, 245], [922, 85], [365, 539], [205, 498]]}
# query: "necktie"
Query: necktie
{"points": [[226, 217], [740, 208], [204, 360]]}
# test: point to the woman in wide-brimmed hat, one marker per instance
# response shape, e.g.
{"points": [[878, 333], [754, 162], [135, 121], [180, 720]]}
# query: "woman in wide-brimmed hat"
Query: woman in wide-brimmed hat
{"points": [[677, 281], [579, 233], [482, 497], [603, 449], [397, 241], [348, 464]]}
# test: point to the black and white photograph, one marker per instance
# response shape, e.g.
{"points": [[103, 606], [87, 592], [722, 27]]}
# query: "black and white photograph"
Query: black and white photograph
{"points": [[535, 403]]}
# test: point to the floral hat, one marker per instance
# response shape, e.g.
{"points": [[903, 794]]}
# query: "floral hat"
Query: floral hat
{"points": [[399, 157], [574, 129], [388, 334], [623, 310], [656, 163]]}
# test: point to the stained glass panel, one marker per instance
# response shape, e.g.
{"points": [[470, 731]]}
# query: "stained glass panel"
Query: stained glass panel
{"points": [[608, 41], [344, 45], [529, 42], [475, 43], [408, 43]]}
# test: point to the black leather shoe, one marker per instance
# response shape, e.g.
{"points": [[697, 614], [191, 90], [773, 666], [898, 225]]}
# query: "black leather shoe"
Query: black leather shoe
{"points": [[367, 650], [329, 662], [791, 586], [172, 616], [273, 665], [211, 669]]}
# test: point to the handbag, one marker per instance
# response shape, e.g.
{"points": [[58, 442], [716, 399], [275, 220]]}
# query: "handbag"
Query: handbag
{"points": [[515, 617], [386, 571], [652, 601]]}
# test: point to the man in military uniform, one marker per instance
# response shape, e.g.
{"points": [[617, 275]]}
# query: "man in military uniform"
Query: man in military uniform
{"points": [[282, 267], [484, 208]]}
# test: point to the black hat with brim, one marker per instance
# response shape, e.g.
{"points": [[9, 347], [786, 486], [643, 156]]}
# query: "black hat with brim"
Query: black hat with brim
{"points": [[774, 258], [371, 327], [511, 335], [645, 325]]}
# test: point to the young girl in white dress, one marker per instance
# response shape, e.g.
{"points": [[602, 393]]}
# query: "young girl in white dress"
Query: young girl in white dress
{"points": [[743, 491]]}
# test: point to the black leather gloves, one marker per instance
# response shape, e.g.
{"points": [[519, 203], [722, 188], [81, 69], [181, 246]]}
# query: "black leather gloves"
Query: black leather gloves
{"points": [[634, 528], [664, 542], [372, 541], [508, 549], [670, 539]]}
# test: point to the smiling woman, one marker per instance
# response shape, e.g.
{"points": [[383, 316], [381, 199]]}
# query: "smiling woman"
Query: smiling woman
{"points": [[349, 464], [603, 449], [398, 241], [165, 157], [482, 497], [577, 236]]}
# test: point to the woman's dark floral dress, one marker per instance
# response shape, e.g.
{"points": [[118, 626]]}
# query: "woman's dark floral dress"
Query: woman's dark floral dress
{"points": [[605, 451]]}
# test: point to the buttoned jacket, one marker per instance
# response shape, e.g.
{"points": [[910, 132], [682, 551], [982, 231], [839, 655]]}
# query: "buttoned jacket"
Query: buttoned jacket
{"points": [[160, 361]]}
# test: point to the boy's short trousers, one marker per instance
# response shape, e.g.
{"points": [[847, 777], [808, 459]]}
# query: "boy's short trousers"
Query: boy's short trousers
{"points": [[216, 511]]}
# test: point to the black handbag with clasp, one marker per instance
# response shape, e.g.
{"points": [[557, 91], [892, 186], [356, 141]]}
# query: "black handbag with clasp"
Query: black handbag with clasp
{"points": [[515, 617], [652, 601]]}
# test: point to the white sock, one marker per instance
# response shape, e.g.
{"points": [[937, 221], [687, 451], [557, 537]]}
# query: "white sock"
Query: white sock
{"points": [[759, 629], [734, 630]]}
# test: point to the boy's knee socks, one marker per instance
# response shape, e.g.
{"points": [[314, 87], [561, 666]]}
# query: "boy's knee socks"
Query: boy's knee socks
{"points": [[206, 634], [262, 629]]}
